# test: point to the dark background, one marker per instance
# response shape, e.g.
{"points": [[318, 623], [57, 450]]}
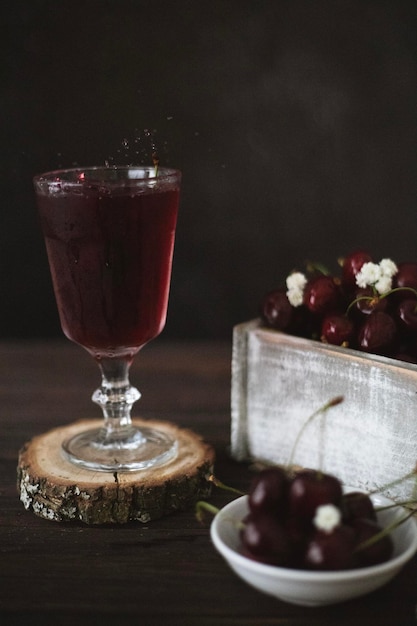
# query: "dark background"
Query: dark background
{"points": [[293, 121]]}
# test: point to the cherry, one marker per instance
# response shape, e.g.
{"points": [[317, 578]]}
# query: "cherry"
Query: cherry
{"points": [[268, 492], [298, 538], [337, 329], [406, 275], [331, 550], [304, 323], [366, 301], [310, 489], [407, 315], [326, 298], [356, 504], [352, 265], [407, 348], [265, 539], [405, 356], [374, 553], [378, 334], [322, 295], [285, 528], [276, 310]]}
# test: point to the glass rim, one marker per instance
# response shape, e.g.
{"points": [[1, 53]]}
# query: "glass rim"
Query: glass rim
{"points": [[75, 177]]}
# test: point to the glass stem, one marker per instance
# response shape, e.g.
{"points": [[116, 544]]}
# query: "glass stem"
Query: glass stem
{"points": [[116, 397]]}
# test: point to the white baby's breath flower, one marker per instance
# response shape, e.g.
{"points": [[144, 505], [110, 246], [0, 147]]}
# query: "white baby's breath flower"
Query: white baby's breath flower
{"points": [[368, 275], [296, 280], [327, 517], [378, 275], [388, 267], [295, 297], [296, 283], [383, 285]]}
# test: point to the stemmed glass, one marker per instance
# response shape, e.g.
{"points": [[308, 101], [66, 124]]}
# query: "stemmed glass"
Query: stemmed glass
{"points": [[109, 235]]}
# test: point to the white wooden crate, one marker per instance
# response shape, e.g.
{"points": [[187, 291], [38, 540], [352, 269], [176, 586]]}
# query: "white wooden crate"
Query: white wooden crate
{"points": [[278, 381]]}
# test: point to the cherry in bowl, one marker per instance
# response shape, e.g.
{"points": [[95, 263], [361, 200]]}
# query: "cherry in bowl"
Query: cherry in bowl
{"points": [[312, 588]]}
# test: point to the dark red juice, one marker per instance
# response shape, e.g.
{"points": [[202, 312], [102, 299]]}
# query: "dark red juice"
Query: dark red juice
{"points": [[110, 256]]}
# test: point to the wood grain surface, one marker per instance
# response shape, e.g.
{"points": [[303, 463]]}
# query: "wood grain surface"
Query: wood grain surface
{"points": [[162, 573]]}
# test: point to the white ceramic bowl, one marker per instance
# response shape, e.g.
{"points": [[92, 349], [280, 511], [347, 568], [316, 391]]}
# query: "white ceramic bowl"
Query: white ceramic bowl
{"points": [[312, 588]]}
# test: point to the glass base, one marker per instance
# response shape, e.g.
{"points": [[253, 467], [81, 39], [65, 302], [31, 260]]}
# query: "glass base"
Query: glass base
{"points": [[137, 449]]}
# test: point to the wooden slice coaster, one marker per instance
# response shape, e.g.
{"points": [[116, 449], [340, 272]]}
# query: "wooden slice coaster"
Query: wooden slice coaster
{"points": [[55, 489]]}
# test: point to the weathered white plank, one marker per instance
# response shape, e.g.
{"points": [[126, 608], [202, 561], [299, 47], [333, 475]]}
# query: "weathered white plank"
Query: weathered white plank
{"points": [[279, 380]]}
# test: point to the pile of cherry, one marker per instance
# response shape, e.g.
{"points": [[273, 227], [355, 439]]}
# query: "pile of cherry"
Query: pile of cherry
{"points": [[335, 310], [284, 528]]}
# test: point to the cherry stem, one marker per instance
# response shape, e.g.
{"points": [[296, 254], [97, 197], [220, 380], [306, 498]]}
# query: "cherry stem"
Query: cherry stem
{"points": [[395, 482], [359, 299], [404, 503], [377, 296], [317, 267], [212, 478], [396, 289], [382, 533], [203, 507], [323, 409]]}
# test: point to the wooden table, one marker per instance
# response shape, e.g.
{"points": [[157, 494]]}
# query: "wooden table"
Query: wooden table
{"points": [[165, 572]]}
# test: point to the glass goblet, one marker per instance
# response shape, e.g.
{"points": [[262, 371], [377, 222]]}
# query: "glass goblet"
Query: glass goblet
{"points": [[109, 235]]}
